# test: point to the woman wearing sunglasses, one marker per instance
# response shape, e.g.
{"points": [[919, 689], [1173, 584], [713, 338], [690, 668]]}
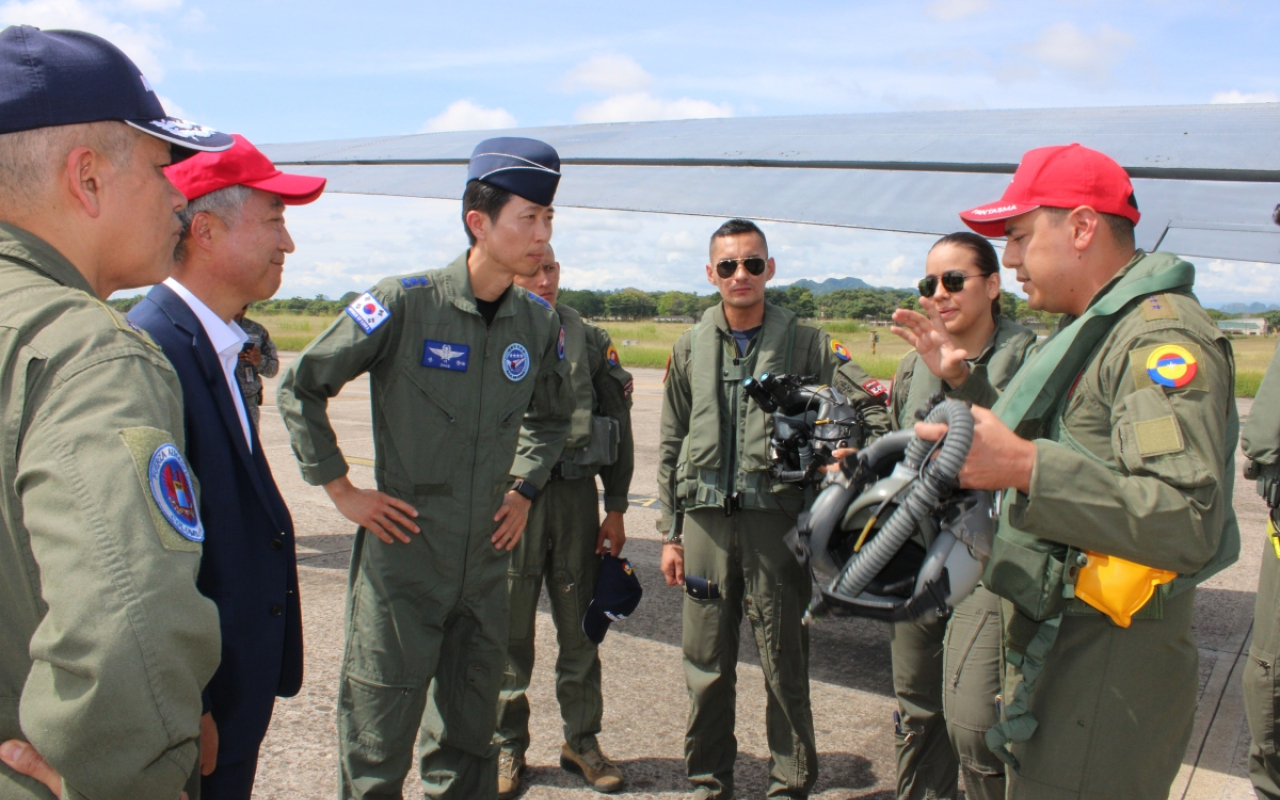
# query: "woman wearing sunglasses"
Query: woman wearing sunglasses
{"points": [[946, 676]]}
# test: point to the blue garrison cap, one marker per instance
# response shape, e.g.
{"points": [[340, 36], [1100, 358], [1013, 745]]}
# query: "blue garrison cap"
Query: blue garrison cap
{"points": [[617, 594], [526, 167], [50, 78]]}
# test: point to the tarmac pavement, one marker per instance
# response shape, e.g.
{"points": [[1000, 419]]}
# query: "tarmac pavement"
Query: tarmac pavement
{"points": [[645, 697]]}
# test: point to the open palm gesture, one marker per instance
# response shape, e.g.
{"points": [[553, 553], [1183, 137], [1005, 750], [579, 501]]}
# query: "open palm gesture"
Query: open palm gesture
{"points": [[931, 340]]}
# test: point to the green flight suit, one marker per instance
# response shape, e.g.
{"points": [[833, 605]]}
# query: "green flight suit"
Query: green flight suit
{"points": [[107, 643], [559, 545], [1134, 459], [1261, 439], [713, 456], [449, 395], [944, 719]]}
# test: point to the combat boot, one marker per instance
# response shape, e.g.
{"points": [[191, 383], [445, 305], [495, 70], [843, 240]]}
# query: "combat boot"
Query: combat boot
{"points": [[510, 766], [594, 766]]}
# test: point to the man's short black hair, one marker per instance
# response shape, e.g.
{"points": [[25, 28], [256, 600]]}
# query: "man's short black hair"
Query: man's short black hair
{"points": [[1121, 227], [485, 198], [737, 227]]}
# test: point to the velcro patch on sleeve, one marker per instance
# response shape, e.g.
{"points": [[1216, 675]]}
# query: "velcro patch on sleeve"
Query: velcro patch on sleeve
{"points": [[368, 312], [1171, 366], [168, 486], [1158, 437], [1158, 306], [875, 388]]}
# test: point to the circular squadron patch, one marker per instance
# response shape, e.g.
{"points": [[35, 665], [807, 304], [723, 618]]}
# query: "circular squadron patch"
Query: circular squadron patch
{"points": [[839, 350], [515, 361], [560, 344], [172, 489], [612, 356], [1171, 366]]}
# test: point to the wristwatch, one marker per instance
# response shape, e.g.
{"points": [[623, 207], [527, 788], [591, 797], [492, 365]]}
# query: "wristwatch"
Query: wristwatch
{"points": [[525, 488]]}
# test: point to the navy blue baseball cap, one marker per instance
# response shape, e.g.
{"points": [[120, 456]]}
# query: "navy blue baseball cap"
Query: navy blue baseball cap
{"points": [[618, 592], [50, 78], [526, 167]]}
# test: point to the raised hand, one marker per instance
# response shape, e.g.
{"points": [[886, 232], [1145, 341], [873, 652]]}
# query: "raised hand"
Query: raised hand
{"points": [[931, 340]]}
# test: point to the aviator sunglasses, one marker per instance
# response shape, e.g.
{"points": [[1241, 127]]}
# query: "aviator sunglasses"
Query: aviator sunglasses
{"points": [[952, 281], [725, 269]]}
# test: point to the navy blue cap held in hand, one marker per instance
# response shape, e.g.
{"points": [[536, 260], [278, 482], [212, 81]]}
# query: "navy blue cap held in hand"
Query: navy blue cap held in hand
{"points": [[50, 78], [618, 592], [526, 167]]}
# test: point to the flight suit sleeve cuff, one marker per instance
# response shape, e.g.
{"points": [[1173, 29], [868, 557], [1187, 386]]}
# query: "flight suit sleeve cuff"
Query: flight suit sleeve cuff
{"points": [[619, 504], [329, 469], [977, 390], [530, 470]]}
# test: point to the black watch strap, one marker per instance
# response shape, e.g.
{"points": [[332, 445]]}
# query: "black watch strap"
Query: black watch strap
{"points": [[525, 488]]}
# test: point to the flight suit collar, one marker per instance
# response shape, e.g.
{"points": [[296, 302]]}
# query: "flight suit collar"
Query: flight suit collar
{"points": [[26, 247], [458, 287]]}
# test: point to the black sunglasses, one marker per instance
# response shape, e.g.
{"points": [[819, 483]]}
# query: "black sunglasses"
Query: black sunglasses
{"points": [[952, 281], [726, 268]]}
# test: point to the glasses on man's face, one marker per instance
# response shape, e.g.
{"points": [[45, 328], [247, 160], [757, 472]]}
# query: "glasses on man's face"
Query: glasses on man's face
{"points": [[952, 281], [726, 268]]}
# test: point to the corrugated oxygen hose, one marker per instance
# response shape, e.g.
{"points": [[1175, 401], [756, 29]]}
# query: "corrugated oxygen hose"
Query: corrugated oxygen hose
{"points": [[919, 502]]}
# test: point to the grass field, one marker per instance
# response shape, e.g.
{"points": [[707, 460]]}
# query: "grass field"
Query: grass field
{"points": [[653, 341]]}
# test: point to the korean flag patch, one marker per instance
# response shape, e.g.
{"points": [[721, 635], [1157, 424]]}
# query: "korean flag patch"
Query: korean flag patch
{"points": [[368, 312]]}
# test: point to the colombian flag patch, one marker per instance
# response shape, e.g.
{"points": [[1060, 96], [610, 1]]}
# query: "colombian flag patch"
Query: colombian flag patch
{"points": [[1171, 366], [839, 350]]}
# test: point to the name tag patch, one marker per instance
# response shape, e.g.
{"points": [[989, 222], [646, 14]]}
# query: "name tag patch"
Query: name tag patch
{"points": [[368, 313], [515, 361], [173, 492], [445, 355]]}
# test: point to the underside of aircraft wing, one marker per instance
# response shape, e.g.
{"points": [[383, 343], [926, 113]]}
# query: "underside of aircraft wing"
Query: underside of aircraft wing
{"points": [[1206, 177]]}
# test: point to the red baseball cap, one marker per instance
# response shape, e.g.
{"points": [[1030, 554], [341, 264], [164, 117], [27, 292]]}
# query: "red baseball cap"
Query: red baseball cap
{"points": [[243, 164], [1064, 176]]}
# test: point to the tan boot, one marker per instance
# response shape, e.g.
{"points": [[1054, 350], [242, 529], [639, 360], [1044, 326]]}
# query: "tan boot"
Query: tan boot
{"points": [[595, 768], [510, 766]]}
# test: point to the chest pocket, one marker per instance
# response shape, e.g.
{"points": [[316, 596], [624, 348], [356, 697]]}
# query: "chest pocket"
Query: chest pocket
{"points": [[424, 426]]}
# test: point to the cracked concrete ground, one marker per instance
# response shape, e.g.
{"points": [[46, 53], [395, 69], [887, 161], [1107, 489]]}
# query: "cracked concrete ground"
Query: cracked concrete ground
{"points": [[645, 697]]}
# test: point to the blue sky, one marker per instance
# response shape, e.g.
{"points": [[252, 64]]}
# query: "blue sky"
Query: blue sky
{"points": [[278, 70]]}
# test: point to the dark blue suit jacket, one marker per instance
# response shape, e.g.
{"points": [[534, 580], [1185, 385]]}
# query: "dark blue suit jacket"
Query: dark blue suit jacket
{"points": [[249, 568]]}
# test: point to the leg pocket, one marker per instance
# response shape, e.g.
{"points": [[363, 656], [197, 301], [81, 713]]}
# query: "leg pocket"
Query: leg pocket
{"points": [[701, 636], [1261, 701], [382, 719]]}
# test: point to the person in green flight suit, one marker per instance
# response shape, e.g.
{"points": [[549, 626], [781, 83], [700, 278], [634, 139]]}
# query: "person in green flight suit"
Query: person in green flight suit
{"points": [[458, 361], [107, 641], [946, 674], [729, 552], [563, 543], [1261, 440], [1114, 447]]}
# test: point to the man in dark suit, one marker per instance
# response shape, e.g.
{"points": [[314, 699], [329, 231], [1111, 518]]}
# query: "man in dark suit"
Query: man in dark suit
{"points": [[231, 253]]}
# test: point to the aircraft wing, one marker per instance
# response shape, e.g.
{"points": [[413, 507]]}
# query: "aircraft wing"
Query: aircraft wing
{"points": [[1206, 177]]}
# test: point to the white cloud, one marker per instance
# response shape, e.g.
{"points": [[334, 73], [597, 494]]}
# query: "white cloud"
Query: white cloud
{"points": [[1237, 96], [151, 5], [171, 108], [609, 74], [947, 10], [464, 115], [637, 106], [140, 42], [1065, 46]]}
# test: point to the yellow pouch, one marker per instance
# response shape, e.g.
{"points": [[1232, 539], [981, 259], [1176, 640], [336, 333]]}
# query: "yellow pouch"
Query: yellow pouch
{"points": [[1273, 535], [1118, 588]]}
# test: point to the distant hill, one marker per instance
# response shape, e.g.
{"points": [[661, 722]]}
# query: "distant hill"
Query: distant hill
{"points": [[832, 284], [1238, 308]]}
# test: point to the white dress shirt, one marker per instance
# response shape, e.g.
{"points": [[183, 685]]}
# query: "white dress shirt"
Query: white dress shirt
{"points": [[228, 340]]}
